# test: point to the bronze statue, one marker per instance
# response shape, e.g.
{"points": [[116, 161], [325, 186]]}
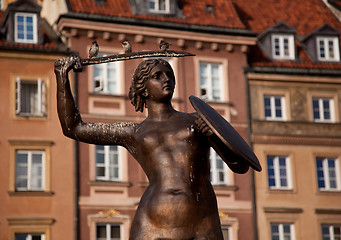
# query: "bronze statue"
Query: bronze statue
{"points": [[172, 148]]}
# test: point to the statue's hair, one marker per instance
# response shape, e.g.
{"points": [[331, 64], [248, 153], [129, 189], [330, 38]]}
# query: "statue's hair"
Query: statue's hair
{"points": [[137, 92]]}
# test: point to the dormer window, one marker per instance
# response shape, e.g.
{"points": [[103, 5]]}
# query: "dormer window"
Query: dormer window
{"points": [[278, 42], [283, 47], [159, 6], [25, 27], [328, 49]]}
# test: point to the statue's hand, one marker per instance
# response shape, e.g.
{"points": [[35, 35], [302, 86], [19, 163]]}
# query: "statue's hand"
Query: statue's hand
{"points": [[203, 127], [64, 65]]}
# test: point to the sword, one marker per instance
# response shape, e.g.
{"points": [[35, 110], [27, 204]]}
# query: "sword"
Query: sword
{"points": [[78, 66]]}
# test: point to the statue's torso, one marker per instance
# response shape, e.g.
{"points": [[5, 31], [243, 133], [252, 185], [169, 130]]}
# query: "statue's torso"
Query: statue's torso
{"points": [[179, 198]]}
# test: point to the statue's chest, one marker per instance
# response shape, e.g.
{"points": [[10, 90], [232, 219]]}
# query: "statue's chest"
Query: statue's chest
{"points": [[153, 136]]}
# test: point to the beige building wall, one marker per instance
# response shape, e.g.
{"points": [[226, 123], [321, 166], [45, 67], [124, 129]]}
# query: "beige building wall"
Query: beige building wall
{"points": [[50, 211]]}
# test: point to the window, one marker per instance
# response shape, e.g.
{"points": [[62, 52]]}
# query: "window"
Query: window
{"points": [[328, 173], [282, 231], [29, 170], [323, 109], [274, 107], [279, 172], [328, 49], [283, 47], [218, 169], [25, 27], [29, 236], [227, 232], [30, 97], [106, 77], [108, 163], [158, 6], [211, 81], [331, 232], [108, 231]]}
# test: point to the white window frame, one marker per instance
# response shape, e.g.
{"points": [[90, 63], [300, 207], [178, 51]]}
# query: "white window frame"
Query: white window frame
{"points": [[290, 47], [277, 172], [106, 164], [206, 81], [41, 98], [327, 51], [321, 109], [35, 28], [103, 80], [29, 235], [108, 231], [29, 170], [229, 229], [281, 230], [331, 234], [326, 174], [215, 171], [273, 107], [156, 8]]}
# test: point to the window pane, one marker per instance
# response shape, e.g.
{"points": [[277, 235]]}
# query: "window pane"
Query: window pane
{"points": [[320, 173], [101, 231], [100, 171], [115, 231], [29, 97]]}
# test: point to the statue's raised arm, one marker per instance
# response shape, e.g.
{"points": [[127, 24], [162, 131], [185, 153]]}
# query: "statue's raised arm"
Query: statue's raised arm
{"points": [[71, 121]]}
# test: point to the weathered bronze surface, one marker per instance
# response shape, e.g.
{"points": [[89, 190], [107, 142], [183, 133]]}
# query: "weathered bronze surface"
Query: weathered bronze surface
{"points": [[234, 149], [172, 148]]}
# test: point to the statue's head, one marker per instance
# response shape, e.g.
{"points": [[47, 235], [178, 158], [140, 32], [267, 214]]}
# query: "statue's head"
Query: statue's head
{"points": [[137, 93]]}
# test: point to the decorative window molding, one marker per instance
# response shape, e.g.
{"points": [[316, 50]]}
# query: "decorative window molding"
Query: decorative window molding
{"points": [[279, 172], [219, 171], [274, 107], [331, 232], [103, 220], [108, 231], [323, 109], [282, 231], [321, 105], [30, 97], [328, 174], [283, 46], [229, 226], [158, 6], [328, 49], [29, 166], [26, 29], [211, 81], [29, 170], [107, 77], [30, 228], [108, 163], [227, 232]]}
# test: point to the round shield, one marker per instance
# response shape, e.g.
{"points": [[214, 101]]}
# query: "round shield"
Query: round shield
{"points": [[226, 133]]}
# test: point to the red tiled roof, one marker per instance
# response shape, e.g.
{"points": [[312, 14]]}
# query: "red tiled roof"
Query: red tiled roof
{"points": [[257, 58], [194, 12], [305, 16]]}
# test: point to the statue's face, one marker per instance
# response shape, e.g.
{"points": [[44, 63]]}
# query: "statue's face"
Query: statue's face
{"points": [[161, 83]]}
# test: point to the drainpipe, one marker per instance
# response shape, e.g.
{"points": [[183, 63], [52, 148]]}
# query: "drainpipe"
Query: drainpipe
{"points": [[253, 192]]}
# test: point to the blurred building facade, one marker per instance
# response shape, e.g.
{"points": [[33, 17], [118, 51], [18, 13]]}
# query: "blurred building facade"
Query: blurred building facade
{"points": [[110, 180], [294, 100], [271, 68], [37, 167]]}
